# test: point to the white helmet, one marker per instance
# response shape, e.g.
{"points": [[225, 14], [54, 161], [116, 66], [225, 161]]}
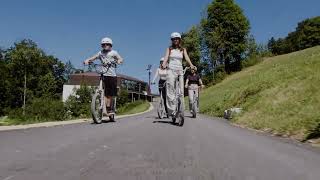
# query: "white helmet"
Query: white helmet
{"points": [[162, 59], [106, 40], [175, 35]]}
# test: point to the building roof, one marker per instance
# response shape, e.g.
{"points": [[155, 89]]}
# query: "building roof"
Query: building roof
{"points": [[94, 75]]}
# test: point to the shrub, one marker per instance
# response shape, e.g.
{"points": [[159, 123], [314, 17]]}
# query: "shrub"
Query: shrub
{"points": [[123, 98], [78, 105], [251, 61], [40, 110]]}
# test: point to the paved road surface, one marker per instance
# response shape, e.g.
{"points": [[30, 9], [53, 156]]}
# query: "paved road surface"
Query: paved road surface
{"points": [[139, 148]]}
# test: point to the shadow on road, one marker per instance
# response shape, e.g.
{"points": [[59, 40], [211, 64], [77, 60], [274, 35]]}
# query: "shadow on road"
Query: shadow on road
{"points": [[103, 122], [166, 122], [190, 117]]}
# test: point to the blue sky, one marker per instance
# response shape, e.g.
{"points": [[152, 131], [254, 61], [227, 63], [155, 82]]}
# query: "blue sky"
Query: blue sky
{"points": [[71, 30]]}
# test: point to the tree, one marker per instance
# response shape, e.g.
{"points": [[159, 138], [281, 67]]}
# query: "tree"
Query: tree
{"points": [[306, 35], [226, 30], [252, 47], [69, 69], [48, 86], [271, 45], [191, 41], [30, 72], [3, 85]]}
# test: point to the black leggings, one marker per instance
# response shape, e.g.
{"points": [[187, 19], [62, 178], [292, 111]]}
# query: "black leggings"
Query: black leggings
{"points": [[162, 88]]}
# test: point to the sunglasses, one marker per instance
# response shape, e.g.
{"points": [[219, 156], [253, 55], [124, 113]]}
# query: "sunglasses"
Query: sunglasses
{"points": [[107, 44], [175, 39]]}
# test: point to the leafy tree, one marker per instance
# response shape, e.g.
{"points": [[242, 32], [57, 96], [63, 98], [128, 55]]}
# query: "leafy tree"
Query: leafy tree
{"points": [[48, 86], [226, 30], [3, 85], [271, 45], [26, 63], [306, 35], [191, 41], [69, 69], [252, 47]]}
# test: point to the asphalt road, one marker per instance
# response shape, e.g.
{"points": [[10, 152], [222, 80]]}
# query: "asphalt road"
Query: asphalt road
{"points": [[140, 148]]}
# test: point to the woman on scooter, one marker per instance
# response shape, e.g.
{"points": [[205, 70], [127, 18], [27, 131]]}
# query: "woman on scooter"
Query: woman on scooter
{"points": [[173, 58], [192, 84], [162, 74]]}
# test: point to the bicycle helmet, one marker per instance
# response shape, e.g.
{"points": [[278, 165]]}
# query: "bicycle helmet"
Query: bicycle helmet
{"points": [[175, 35], [106, 40], [162, 59]]}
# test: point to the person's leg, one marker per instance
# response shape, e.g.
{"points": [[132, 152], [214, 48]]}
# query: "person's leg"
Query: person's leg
{"points": [[164, 96], [181, 83], [170, 92], [190, 94], [111, 91], [160, 84], [197, 96], [105, 85], [109, 102], [162, 91]]}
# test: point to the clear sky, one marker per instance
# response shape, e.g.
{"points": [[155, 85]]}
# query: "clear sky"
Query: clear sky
{"points": [[140, 29]]}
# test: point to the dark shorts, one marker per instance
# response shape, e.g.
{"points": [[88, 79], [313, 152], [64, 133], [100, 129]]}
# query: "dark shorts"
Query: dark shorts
{"points": [[110, 85]]}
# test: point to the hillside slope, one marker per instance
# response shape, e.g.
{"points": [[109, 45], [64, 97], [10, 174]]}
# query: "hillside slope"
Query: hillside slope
{"points": [[281, 95]]}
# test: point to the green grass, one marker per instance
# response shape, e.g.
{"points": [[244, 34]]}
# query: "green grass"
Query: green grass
{"points": [[280, 94], [12, 122], [130, 108], [135, 107]]}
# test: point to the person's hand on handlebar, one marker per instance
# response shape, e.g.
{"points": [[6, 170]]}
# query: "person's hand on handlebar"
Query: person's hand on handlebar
{"points": [[193, 67], [87, 62], [164, 65]]}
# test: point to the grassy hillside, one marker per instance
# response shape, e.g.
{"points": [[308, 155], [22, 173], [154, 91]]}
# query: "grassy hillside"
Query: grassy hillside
{"points": [[281, 95], [133, 108]]}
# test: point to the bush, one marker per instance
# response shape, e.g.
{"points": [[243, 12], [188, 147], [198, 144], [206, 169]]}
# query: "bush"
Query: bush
{"points": [[251, 61], [78, 105], [40, 110], [123, 98], [47, 109]]}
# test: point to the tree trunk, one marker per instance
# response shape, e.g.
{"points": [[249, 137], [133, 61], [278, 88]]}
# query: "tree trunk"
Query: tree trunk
{"points": [[24, 93]]}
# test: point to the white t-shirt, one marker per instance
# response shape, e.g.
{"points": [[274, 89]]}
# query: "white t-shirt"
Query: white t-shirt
{"points": [[175, 59], [162, 73], [106, 57]]}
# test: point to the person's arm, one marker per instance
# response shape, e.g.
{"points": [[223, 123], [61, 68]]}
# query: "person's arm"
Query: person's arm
{"points": [[91, 59], [201, 83], [187, 82], [166, 58], [186, 56], [155, 76], [118, 58]]}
